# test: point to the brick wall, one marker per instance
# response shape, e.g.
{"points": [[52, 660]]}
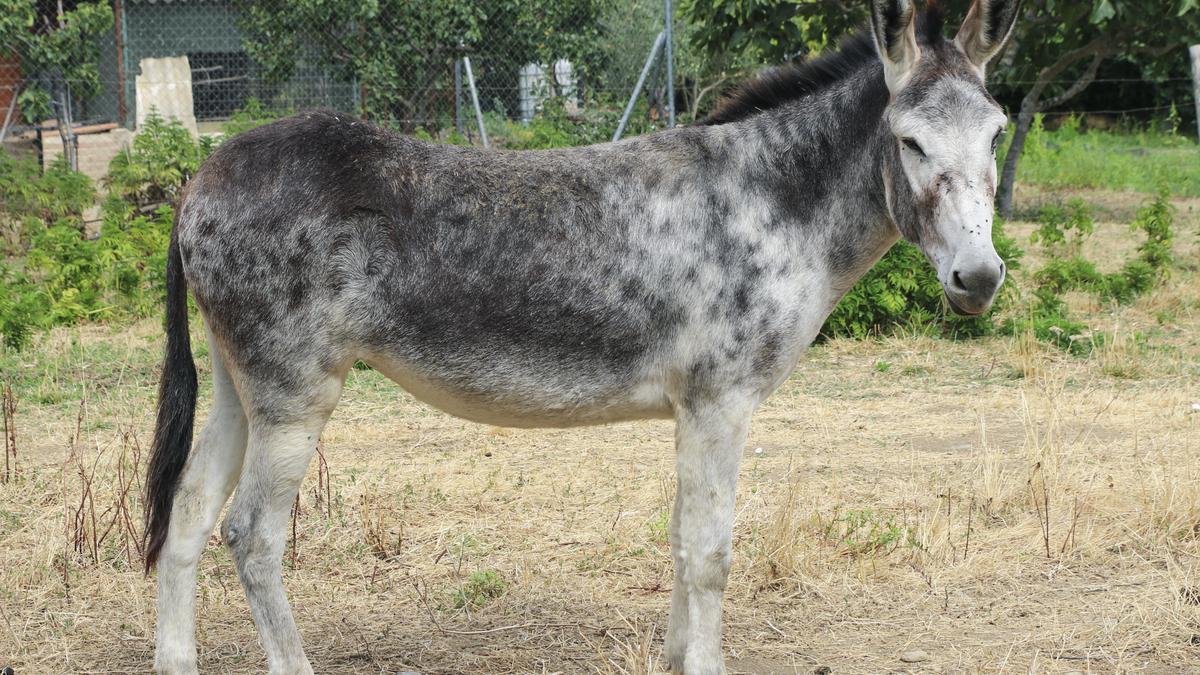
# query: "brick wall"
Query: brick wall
{"points": [[95, 150]]}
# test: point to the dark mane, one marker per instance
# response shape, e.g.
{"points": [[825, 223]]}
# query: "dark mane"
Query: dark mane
{"points": [[792, 81]]}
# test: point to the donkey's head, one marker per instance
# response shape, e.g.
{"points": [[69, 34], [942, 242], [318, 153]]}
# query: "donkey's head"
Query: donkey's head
{"points": [[946, 129]]}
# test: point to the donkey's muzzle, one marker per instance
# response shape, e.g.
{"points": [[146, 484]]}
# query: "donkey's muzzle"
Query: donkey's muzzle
{"points": [[970, 291]]}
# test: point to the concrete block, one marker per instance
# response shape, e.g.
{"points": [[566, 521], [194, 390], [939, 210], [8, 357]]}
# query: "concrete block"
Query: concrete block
{"points": [[165, 86]]}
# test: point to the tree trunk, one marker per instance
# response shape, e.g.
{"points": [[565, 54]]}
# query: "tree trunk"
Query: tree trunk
{"points": [[1008, 179], [66, 129], [1033, 103]]}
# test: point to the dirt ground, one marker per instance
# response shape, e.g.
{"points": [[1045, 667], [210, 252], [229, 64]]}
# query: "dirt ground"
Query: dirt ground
{"points": [[983, 506]]}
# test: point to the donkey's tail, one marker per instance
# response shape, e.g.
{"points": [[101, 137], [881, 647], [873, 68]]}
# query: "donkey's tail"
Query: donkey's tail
{"points": [[176, 410]]}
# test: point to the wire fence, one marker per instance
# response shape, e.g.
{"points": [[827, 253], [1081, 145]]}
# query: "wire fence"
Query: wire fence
{"points": [[395, 61], [398, 62]]}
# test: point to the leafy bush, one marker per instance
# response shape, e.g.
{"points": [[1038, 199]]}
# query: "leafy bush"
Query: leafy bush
{"points": [[67, 279], [29, 198], [162, 158], [479, 589], [1062, 233], [555, 126], [1062, 230], [254, 114], [903, 291], [1047, 318]]}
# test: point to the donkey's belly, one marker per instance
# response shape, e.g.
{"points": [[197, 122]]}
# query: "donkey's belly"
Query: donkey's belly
{"points": [[525, 399]]}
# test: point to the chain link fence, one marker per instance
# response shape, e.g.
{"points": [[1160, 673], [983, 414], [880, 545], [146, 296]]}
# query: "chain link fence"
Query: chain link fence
{"points": [[398, 62]]}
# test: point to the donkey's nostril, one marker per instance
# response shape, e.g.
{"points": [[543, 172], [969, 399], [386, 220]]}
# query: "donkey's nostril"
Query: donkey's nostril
{"points": [[958, 282]]}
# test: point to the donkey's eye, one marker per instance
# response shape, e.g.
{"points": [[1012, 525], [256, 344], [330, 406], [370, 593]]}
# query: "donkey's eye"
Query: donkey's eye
{"points": [[996, 140], [913, 145]]}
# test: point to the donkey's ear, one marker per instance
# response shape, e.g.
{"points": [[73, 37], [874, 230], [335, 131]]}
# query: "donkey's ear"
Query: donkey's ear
{"points": [[892, 22], [987, 27]]}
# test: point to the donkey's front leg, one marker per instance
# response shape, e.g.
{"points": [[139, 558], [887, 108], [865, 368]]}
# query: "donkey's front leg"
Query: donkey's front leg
{"points": [[709, 436]]}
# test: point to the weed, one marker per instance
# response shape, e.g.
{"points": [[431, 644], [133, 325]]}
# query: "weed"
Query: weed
{"points": [[1063, 230], [659, 527], [480, 588], [154, 168], [866, 531]]}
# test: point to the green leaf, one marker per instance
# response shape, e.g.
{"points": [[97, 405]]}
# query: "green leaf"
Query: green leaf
{"points": [[1102, 10]]}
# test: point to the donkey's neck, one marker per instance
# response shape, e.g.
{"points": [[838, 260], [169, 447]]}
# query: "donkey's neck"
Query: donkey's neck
{"points": [[825, 165]]}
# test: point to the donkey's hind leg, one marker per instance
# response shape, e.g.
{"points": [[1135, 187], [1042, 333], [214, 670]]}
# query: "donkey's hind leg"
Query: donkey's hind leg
{"points": [[283, 438], [208, 478]]}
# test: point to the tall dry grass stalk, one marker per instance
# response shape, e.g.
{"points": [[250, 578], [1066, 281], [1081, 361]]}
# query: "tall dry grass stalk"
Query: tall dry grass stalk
{"points": [[102, 500], [8, 408], [637, 655]]}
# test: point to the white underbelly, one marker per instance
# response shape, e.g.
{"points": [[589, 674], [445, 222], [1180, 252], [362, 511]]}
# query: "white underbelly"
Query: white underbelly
{"points": [[520, 406]]}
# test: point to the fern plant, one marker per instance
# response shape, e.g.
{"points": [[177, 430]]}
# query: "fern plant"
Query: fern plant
{"points": [[162, 157]]}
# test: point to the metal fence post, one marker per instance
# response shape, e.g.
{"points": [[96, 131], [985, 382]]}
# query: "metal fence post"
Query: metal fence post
{"points": [[669, 21], [458, 117], [1194, 50], [475, 100], [637, 89]]}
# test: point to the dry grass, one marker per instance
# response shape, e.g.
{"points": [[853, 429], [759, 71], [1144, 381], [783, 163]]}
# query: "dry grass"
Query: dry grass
{"points": [[997, 504]]}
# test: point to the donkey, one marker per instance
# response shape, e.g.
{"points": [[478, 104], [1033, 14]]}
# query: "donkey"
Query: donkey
{"points": [[675, 275]]}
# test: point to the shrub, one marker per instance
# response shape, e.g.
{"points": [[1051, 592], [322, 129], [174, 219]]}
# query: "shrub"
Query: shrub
{"points": [[480, 588], [254, 114], [162, 158], [1061, 234], [1063, 231], [557, 127], [1047, 318], [29, 198], [22, 308], [1157, 219]]}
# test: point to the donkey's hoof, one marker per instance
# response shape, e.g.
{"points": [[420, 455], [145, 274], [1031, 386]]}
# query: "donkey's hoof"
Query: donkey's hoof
{"points": [[181, 667], [703, 664]]}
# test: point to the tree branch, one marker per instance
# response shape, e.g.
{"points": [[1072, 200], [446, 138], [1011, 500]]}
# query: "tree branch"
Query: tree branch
{"points": [[1082, 83]]}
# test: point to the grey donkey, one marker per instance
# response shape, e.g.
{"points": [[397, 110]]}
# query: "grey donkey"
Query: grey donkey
{"points": [[675, 275]]}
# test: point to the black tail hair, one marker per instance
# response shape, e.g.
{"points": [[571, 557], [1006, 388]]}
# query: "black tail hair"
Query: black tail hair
{"points": [[176, 410]]}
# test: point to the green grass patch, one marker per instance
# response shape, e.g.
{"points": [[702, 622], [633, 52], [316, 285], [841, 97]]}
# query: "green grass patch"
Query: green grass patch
{"points": [[1138, 161]]}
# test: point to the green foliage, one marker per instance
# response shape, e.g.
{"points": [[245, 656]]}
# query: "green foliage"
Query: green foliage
{"points": [[1047, 318], [64, 278], [1157, 220], [1061, 234], [401, 52], [479, 589], [253, 114], [1062, 231], [770, 30], [1139, 160], [65, 53], [162, 158], [30, 198], [555, 127], [867, 532], [22, 308], [68, 279], [903, 291]]}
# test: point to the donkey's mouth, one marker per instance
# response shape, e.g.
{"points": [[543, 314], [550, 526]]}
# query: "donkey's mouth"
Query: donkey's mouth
{"points": [[959, 310]]}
